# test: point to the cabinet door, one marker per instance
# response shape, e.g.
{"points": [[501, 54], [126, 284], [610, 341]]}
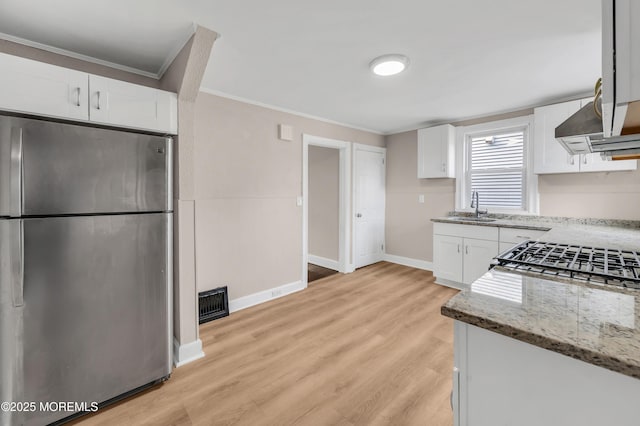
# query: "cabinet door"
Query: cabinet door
{"points": [[34, 87], [119, 103], [477, 258], [447, 257], [549, 155], [506, 246], [436, 152]]}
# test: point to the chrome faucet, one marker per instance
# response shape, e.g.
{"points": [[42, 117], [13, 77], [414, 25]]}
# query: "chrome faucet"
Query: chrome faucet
{"points": [[475, 203]]}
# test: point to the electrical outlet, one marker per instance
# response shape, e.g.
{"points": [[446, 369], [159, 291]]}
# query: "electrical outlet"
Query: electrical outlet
{"points": [[276, 293], [421, 198]]}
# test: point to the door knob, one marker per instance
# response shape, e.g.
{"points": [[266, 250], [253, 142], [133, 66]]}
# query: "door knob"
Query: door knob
{"points": [[359, 215]]}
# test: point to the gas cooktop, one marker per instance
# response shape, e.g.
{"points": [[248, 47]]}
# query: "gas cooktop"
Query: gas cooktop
{"points": [[597, 265]]}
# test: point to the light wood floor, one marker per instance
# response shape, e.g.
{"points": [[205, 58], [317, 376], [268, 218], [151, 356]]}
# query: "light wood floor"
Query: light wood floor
{"points": [[368, 348]]}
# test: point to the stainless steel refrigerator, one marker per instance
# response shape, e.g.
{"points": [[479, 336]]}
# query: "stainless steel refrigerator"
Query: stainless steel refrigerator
{"points": [[85, 265]]}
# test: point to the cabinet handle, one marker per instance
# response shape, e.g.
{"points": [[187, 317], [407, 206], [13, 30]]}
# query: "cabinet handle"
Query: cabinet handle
{"points": [[572, 160], [78, 98], [458, 248], [466, 249], [526, 237], [444, 167], [584, 158], [98, 106]]}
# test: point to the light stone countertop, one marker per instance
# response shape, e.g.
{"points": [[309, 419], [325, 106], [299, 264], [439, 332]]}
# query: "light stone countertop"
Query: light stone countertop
{"points": [[614, 234], [594, 324]]}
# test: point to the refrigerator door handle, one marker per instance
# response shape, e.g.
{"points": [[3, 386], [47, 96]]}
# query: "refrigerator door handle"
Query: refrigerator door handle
{"points": [[17, 262], [16, 173]]}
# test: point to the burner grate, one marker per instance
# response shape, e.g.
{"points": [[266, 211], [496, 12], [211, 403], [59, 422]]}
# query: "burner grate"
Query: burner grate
{"points": [[601, 265]]}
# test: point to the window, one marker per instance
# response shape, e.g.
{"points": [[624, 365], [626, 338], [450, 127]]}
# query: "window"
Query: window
{"points": [[496, 169], [493, 159]]}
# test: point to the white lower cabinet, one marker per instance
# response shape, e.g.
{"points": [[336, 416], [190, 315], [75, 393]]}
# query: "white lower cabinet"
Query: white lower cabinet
{"points": [[505, 246], [447, 255], [477, 258], [510, 237], [498, 380], [462, 253]]}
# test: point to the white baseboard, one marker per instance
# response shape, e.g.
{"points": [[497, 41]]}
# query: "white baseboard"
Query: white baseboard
{"points": [[184, 354], [407, 261], [324, 262], [264, 296], [451, 284]]}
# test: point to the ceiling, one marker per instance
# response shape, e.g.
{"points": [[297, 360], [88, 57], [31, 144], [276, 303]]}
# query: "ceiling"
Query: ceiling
{"points": [[469, 58]]}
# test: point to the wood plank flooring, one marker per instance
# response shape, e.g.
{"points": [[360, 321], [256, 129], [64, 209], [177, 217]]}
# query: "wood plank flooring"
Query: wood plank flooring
{"points": [[315, 272], [367, 348]]}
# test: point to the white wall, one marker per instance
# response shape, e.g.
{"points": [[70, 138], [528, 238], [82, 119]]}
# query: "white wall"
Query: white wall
{"points": [[409, 231], [248, 226]]}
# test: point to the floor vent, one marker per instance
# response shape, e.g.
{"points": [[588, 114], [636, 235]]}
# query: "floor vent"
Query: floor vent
{"points": [[213, 304]]}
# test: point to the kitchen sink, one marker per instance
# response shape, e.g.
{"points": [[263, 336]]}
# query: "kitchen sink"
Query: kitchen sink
{"points": [[472, 219]]}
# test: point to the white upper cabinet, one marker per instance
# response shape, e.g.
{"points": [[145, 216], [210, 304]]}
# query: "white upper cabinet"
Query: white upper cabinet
{"points": [[436, 152], [551, 157], [43, 89], [33, 87], [120, 103], [620, 67]]}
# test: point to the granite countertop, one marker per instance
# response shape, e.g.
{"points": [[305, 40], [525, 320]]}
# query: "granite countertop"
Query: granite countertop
{"points": [[614, 234], [595, 324], [599, 324], [498, 222]]}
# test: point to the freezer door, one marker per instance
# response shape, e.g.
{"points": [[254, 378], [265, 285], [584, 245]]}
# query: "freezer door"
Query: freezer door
{"points": [[96, 307], [51, 168], [10, 169]]}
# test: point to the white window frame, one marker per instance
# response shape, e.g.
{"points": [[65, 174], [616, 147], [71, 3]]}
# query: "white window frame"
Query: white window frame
{"points": [[530, 182]]}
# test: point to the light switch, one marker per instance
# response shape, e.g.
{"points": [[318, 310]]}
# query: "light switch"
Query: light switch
{"points": [[285, 132], [421, 198]]}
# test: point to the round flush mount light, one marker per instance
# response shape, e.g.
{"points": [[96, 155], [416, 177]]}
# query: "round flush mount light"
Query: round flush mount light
{"points": [[387, 65]]}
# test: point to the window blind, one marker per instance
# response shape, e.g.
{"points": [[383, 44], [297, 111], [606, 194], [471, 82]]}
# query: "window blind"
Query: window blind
{"points": [[496, 169]]}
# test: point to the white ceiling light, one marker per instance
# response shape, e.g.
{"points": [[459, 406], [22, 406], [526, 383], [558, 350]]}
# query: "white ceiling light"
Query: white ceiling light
{"points": [[386, 65]]}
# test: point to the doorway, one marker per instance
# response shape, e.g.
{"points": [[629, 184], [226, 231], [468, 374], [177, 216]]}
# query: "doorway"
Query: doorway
{"points": [[327, 154]]}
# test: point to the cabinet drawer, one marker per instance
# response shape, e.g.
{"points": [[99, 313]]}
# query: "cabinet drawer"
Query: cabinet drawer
{"points": [[467, 231], [514, 235]]}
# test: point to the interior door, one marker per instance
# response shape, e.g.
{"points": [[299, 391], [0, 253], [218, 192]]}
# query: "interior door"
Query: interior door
{"points": [[96, 307], [369, 205]]}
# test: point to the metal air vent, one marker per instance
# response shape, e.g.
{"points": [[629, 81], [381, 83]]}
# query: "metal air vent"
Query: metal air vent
{"points": [[213, 304]]}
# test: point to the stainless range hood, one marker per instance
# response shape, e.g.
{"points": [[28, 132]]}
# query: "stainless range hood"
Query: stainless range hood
{"points": [[582, 133]]}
